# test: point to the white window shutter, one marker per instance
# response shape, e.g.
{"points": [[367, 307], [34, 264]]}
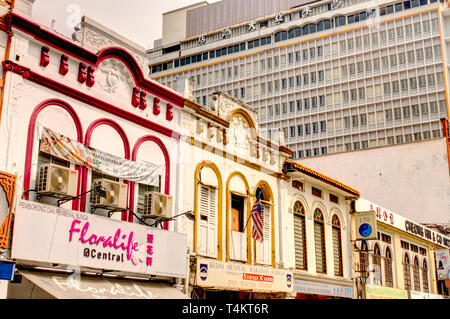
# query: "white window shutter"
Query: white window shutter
{"points": [[207, 225], [263, 250]]}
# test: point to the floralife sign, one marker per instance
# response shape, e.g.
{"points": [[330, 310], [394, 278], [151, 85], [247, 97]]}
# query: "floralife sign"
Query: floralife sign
{"points": [[230, 275], [390, 218], [49, 234]]}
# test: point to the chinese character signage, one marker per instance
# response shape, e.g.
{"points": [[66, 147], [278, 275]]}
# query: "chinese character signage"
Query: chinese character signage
{"points": [[390, 218], [49, 234]]}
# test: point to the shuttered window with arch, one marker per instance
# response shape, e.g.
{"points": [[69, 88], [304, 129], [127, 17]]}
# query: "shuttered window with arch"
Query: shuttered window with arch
{"points": [[300, 236], [337, 246], [319, 241]]}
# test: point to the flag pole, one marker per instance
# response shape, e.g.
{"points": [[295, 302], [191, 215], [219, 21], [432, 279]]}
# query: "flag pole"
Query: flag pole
{"points": [[251, 213]]}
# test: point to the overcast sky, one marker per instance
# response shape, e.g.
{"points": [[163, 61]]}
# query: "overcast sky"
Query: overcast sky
{"points": [[138, 20]]}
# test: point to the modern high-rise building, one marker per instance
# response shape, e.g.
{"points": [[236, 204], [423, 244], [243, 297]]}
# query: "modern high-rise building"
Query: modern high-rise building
{"points": [[335, 76]]}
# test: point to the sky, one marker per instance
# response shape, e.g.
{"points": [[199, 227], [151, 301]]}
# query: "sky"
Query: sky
{"points": [[138, 20]]}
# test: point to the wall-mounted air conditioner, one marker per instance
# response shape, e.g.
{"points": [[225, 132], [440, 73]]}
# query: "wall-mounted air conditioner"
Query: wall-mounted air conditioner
{"points": [[157, 205], [58, 181], [116, 195]]}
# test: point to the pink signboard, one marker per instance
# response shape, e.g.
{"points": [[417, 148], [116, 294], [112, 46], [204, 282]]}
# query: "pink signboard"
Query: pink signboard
{"points": [[50, 234]]}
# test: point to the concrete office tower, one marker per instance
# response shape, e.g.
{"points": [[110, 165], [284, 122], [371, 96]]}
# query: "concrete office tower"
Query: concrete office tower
{"points": [[336, 75]]}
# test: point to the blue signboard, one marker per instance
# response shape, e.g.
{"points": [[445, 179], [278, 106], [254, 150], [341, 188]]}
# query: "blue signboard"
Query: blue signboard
{"points": [[7, 271]]}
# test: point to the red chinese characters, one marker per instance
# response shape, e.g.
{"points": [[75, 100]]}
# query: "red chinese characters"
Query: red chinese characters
{"points": [[169, 112], [82, 73], [150, 249], [90, 81], [143, 100], [45, 58], [156, 107], [135, 99], [64, 65]]}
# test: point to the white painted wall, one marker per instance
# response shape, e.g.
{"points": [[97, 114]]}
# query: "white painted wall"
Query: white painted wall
{"points": [[411, 179]]}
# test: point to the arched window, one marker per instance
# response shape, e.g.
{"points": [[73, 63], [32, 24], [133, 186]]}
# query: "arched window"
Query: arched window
{"points": [[416, 274], [319, 241], [300, 236], [407, 272], [388, 276], [376, 261], [425, 276], [363, 258], [337, 246]]}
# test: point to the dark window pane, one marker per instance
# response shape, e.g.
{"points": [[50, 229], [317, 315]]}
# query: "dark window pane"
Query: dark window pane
{"points": [[327, 24], [362, 16], [256, 43], [312, 28], [177, 63], [218, 53], [298, 32], [277, 37], [291, 33], [398, 7], [263, 41], [205, 56], [390, 9], [224, 51], [269, 39], [230, 50], [250, 45], [407, 5], [305, 30], [242, 46], [423, 2], [320, 26], [283, 35], [350, 19], [212, 54], [414, 3], [236, 48], [382, 11]]}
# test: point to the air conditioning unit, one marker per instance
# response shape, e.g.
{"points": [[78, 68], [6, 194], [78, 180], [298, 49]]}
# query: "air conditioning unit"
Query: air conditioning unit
{"points": [[157, 205], [116, 194], [55, 180]]}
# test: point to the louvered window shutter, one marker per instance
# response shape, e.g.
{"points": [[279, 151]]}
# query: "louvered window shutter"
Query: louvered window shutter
{"points": [[207, 225], [263, 250]]}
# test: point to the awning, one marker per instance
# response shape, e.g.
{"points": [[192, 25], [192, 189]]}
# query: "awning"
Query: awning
{"points": [[74, 286]]}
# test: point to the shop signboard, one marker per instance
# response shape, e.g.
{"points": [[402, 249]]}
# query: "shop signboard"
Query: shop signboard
{"points": [[380, 292], [55, 235], [365, 225], [392, 219], [316, 288], [423, 295], [442, 264], [236, 276]]}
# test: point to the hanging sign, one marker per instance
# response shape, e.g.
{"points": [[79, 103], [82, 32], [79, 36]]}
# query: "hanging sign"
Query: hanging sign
{"points": [[7, 194], [365, 225], [72, 151]]}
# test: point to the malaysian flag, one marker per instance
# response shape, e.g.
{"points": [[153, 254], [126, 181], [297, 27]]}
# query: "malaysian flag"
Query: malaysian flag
{"points": [[258, 220]]}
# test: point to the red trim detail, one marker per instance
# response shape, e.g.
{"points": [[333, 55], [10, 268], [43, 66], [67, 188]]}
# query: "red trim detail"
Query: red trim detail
{"points": [[151, 138], [126, 147], [84, 55], [30, 136], [90, 100], [445, 129]]}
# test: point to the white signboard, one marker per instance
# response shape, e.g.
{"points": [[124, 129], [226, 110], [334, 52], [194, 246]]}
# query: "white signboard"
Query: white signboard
{"points": [[230, 275], [442, 264], [390, 218], [50, 234]]}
